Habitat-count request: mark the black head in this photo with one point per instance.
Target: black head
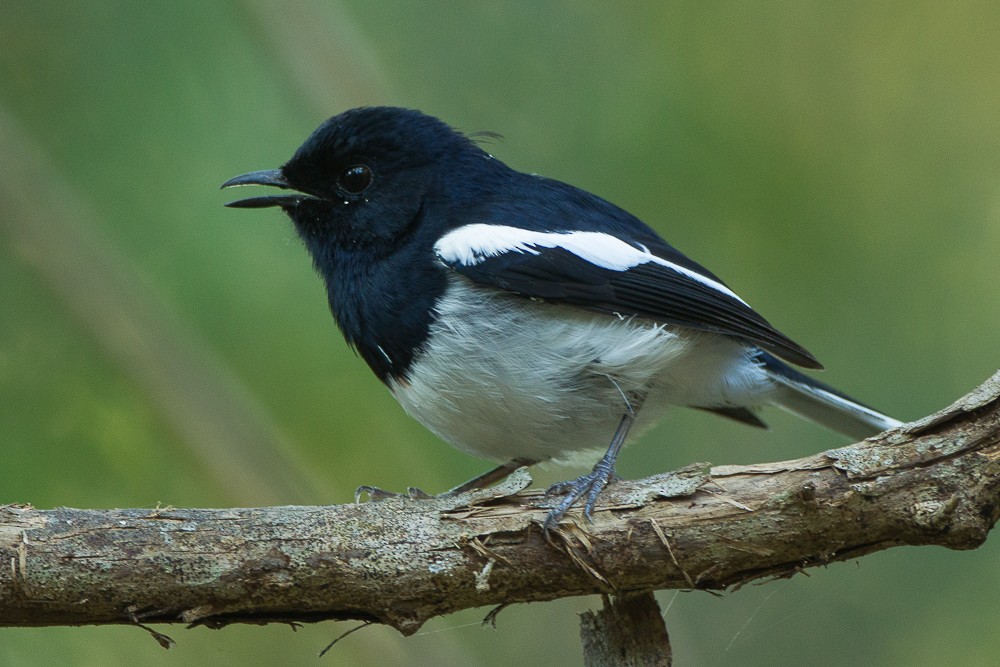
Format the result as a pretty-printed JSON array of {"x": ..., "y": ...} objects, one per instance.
[
  {"x": 362, "y": 176},
  {"x": 371, "y": 186}
]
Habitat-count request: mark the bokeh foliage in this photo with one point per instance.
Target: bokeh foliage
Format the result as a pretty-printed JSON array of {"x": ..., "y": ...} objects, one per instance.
[{"x": 836, "y": 163}]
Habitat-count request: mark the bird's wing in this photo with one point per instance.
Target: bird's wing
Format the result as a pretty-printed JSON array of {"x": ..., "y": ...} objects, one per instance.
[{"x": 601, "y": 272}]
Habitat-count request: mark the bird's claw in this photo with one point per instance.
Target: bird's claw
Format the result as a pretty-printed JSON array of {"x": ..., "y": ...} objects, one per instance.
[{"x": 588, "y": 486}]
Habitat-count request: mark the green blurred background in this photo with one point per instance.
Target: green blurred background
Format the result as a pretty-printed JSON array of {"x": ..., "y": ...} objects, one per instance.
[{"x": 836, "y": 163}]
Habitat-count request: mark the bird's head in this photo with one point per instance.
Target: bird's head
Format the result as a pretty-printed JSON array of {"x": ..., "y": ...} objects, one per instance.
[{"x": 362, "y": 178}]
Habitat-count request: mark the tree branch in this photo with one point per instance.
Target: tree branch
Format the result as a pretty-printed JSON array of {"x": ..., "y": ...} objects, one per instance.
[{"x": 401, "y": 562}]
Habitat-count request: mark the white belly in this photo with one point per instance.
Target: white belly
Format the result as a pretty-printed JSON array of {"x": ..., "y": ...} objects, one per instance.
[{"x": 503, "y": 377}]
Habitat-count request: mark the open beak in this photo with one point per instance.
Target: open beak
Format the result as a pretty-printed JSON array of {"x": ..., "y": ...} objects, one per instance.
[{"x": 272, "y": 177}]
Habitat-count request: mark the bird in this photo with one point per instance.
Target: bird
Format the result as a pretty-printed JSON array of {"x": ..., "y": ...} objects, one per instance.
[{"x": 519, "y": 318}]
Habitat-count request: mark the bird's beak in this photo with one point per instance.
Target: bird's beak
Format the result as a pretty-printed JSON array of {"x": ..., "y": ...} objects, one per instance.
[{"x": 272, "y": 177}]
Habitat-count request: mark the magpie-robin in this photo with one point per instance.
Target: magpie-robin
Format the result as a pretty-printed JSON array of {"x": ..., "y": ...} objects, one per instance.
[{"x": 520, "y": 318}]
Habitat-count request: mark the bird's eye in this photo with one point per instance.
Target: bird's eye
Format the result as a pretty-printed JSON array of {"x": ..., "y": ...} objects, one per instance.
[{"x": 355, "y": 179}]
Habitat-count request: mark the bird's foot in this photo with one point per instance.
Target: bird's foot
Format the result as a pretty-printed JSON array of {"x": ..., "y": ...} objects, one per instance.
[
  {"x": 475, "y": 484},
  {"x": 376, "y": 494},
  {"x": 588, "y": 486}
]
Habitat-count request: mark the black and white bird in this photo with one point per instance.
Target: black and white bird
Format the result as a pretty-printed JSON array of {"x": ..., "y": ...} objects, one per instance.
[{"x": 519, "y": 318}]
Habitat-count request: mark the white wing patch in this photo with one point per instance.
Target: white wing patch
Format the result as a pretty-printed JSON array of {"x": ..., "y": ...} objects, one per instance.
[{"x": 473, "y": 244}]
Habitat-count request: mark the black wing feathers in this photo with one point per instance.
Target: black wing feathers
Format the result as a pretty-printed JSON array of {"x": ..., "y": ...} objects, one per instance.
[{"x": 648, "y": 290}]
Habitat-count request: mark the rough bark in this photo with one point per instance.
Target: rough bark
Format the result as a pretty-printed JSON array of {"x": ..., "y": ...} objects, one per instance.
[
  {"x": 402, "y": 561},
  {"x": 628, "y": 632}
]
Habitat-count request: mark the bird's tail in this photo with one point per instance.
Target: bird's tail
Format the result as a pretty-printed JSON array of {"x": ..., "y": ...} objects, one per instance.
[{"x": 821, "y": 403}]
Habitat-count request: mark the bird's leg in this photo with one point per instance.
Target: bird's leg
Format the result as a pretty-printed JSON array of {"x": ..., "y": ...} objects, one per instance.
[
  {"x": 489, "y": 477},
  {"x": 479, "y": 482},
  {"x": 591, "y": 484}
]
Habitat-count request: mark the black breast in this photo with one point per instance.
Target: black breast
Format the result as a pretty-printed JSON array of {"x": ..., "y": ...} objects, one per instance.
[{"x": 385, "y": 307}]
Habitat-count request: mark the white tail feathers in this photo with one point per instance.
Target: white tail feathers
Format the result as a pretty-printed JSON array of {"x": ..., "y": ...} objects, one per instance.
[{"x": 826, "y": 407}]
